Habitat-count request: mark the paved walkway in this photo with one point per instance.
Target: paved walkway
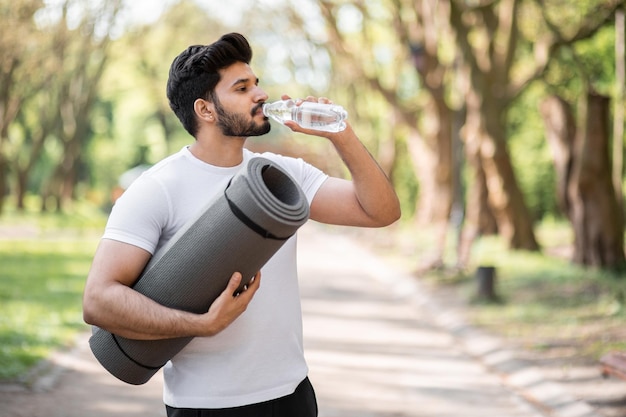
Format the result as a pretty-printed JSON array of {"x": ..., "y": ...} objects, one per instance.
[{"x": 377, "y": 346}]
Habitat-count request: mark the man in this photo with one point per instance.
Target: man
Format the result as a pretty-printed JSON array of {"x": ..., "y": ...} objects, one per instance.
[{"x": 246, "y": 358}]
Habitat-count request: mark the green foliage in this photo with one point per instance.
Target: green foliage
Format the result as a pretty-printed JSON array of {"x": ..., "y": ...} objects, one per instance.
[
  {"x": 588, "y": 62},
  {"x": 597, "y": 59},
  {"x": 133, "y": 115},
  {"x": 405, "y": 183},
  {"x": 531, "y": 155},
  {"x": 294, "y": 54}
]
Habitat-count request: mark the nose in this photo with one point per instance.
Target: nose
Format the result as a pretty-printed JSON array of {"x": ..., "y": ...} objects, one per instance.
[{"x": 260, "y": 95}]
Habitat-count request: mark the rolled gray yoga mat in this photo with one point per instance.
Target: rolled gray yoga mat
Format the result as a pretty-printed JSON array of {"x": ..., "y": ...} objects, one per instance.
[{"x": 240, "y": 230}]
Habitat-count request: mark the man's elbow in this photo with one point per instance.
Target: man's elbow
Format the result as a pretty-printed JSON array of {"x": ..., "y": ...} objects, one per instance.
[
  {"x": 90, "y": 309},
  {"x": 397, "y": 213},
  {"x": 88, "y": 315},
  {"x": 389, "y": 216},
  {"x": 89, "y": 319},
  {"x": 394, "y": 211}
]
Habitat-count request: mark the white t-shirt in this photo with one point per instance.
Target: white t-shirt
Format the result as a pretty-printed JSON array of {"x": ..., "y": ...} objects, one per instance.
[{"x": 260, "y": 356}]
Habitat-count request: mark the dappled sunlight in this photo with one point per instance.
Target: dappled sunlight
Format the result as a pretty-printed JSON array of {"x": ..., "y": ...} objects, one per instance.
[
  {"x": 370, "y": 329},
  {"x": 372, "y": 351}
]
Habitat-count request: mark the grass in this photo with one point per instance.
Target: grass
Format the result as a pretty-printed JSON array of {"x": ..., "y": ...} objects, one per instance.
[
  {"x": 546, "y": 302},
  {"x": 550, "y": 302},
  {"x": 44, "y": 262}
]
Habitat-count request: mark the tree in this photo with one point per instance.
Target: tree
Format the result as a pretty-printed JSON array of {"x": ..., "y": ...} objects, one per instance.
[
  {"x": 56, "y": 54},
  {"x": 494, "y": 41},
  {"x": 149, "y": 50},
  {"x": 577, "y": 120},
  {"x": 412, "y": 36},
  {"x": 585, "y": 189},
  {"x": 18, "y": 81},
  {"x": 488, "y": 37},
  {"x": 619, "y": 108},
  {"x": 84, "y": 52}
]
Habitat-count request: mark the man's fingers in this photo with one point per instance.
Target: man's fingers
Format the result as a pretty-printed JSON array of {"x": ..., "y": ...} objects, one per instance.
[{"x": 235, "y": 283}]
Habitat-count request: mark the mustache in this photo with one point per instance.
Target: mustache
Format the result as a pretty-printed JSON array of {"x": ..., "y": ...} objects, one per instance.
[{"x": 256, "y": 108}]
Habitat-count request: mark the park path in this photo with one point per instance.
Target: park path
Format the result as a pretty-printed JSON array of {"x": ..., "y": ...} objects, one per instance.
[{"x": 378, "y": 345}]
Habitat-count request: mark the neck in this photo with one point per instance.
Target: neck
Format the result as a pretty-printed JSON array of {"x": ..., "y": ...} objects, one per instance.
[{"x": 218, "y": 151}]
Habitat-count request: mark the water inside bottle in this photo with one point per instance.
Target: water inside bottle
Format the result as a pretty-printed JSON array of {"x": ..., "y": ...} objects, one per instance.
[
  {"x": 315, "y": 119},
  {"x": 280, "y": 114}
]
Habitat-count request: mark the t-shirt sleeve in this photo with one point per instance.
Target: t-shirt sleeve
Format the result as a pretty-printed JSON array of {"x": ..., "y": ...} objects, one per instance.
[
  {"x": 139, "y": 215},
  {"x": 309, "y": 177},
  {"x": 312, "y": 181}
]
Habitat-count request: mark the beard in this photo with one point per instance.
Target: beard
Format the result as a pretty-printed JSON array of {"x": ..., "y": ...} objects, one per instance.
[{"x": 238, "y": 124}]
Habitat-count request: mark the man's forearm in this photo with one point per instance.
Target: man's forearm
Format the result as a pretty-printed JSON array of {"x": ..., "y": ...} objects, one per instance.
[
  {"x": 373, "y": 189},
  {"x": 127, "y": 313},
  {"x": 121, "y": 310}
]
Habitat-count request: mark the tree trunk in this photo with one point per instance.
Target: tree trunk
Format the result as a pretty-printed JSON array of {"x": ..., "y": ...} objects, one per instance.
[
  {"x": 560, "y": 133},
  {"x": 479, "y": 219},
  {"x": 432, "y": 158},
  {"x": 584, "y": 178},
  {"x": 618, "y": 112},
  {"x": 597, "y": 220},
  {"x": 437, "y": 124},
  {"x": 20, "y": 190},
  {"x": 484, "y": 124},
  {"x": 505, "y": 197},
  {"x": 4, "y": 189},
  {"x": 490, "y": 55},
  {"x": 435, "y": 197}
]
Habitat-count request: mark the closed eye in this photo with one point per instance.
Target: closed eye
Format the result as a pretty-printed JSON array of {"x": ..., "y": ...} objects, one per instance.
[{"x": 241, "y": 85}]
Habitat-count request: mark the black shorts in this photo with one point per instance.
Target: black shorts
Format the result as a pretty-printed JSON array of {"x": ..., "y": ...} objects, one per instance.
[{"x": 301, "y": 403}]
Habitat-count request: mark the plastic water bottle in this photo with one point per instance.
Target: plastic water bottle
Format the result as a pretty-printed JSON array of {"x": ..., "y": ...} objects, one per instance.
[{"x": 309, "y": 115}]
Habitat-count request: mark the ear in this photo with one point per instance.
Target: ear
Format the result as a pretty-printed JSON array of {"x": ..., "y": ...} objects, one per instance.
[{"x": 204, "y": 110}]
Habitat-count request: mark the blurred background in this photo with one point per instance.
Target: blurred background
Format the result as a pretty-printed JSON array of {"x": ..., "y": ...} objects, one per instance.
[
  {"x": 493, "y": 116},
  {"x": 501, "y": 125}
]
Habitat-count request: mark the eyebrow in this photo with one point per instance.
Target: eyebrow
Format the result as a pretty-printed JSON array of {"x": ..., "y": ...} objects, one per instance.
[{"x": 245, "y": 81}]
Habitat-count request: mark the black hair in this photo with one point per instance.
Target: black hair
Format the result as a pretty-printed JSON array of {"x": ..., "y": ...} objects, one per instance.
[{"x": 195, "y": 73}]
